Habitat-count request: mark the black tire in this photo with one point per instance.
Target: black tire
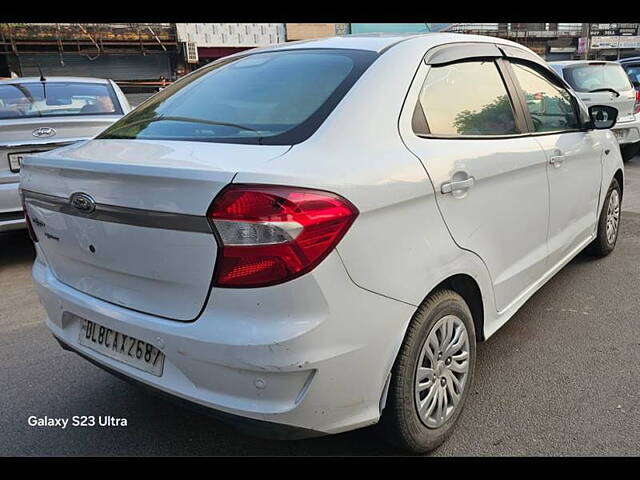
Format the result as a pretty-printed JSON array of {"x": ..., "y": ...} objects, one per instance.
[
  {"x": 629, "y": 151},
  {"x": 400, "y": 423},
  {"x": 601, "y": 245}
]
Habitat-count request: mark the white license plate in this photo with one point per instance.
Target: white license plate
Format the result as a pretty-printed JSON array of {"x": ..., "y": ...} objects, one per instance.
[
  {"x": 15, "y": 159},
  {"x": 121, "y": 347}
]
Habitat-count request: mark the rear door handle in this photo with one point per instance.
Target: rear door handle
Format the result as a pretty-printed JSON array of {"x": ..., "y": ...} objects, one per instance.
[
  {"x": 449, "y": 187},
  {"x": 556, "y": 159}
]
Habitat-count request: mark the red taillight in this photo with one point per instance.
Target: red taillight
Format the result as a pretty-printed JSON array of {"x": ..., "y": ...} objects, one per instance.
[
  {"x": 272, "y": 234},
  {"x": 32, "y": 233},
  {"x": 636, "y": 107}
]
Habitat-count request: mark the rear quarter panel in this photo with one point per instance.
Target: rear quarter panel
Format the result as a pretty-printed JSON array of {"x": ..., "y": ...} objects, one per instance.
[{"x": 398, "y": 246}]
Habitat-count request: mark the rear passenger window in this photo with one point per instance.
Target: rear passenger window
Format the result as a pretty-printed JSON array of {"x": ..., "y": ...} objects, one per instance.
[
  {"x": 549, "y": 105},
  {"x": 467, "y": 98}
]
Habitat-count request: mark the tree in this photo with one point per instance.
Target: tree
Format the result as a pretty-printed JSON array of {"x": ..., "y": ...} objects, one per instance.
[{"x": 494, "y": 118}]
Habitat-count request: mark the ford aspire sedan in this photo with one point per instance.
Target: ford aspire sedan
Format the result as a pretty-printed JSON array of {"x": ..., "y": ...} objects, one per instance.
[
  {"x": 312, "y": 237},
  {"x": 39, "y": 114}
]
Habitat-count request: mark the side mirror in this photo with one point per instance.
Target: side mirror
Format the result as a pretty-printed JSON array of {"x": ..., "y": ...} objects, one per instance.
[{"x": 602, "y": 117}]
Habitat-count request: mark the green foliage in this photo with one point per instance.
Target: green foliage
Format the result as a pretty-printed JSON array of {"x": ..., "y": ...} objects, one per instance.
[{"x": 494, "y": 118}]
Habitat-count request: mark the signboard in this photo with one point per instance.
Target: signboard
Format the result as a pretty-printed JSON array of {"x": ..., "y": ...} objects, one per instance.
[
  {"x": 630, "y": 29},
  {"x": 615, "y": 42},
  {"x": 305, "y": 31},
  {"x": 192, "y": 52},
  {"x": 614, "y": 29},
  {"x": 230, "y": 34},
  {"x": 599, "y": 43},
  {"x": 582, "y": 45},
  {"x": 629, "y": 42},
  {"x": 562, "y": 49}
]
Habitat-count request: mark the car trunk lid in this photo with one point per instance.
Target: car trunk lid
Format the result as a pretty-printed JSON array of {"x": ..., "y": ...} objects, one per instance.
[
  {"x": 61, "y": 129},
  {"x": 147, "y": 245}
]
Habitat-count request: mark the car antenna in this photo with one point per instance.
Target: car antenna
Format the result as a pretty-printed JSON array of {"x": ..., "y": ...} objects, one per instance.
[{"x": 42, "y": 79}]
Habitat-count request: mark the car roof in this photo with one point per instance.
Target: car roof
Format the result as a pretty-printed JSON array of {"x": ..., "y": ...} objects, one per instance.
[
  {"x": 567, "y": 63},
  {"x": 53, "y": 79},
  {"x": 630, "y": 60},
  {"x": 380, "y": 42}
]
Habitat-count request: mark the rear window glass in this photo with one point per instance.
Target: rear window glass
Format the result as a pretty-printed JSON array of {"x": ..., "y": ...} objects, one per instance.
[
  {"x": 263, "y": 98},
  {"x": 467, "y": 98},
  {"x": 633, "y": 72},
  {"x": 45, "y": 99},
  {"x": 591, "y": 77}
]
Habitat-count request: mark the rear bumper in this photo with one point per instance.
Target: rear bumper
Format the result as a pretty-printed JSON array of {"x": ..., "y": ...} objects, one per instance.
[
  {"x": 628, "y": 132},
  {"x": 246, "y": 425},
  {"x": 12, "y": 221},
  {"x": 312, "y": 355},
  {"x": 11, "y": 215}
]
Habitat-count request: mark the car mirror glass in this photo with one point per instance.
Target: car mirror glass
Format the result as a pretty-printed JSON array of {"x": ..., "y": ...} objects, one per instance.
[{"x": 603, "y": 116}]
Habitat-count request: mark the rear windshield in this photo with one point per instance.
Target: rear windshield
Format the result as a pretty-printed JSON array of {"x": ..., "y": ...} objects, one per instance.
[
  {"x": 587, "y": 78},
  {"x": 274, "y": 98},
  {"x": 46, "y": 99}
]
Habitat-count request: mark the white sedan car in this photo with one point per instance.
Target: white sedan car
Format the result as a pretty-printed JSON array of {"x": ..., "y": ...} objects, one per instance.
[{"x": 312, "y": 237}]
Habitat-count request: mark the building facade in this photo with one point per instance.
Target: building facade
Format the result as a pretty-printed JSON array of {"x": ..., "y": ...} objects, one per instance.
[
  {"x": 141, "y": 53},
  {"x": 565, "y": 41},
  {"x": 146, "y": 55},
  {"x": 205, "y": 42}
]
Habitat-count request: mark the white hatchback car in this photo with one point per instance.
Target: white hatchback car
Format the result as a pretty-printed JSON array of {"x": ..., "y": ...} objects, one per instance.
[
  {"x": 606, "y": 83},
  {"x": 311, "y": 238}
]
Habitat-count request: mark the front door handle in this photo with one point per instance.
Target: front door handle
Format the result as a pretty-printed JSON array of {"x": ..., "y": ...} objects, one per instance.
[{"x": 449, "y": 187}]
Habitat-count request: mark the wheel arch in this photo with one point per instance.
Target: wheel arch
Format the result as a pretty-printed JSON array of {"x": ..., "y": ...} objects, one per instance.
[
  {"x": 619, "y": 176},
  {"x": 467, "y": 287}
]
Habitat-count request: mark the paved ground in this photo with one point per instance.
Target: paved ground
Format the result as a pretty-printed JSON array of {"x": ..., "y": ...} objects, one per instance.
[{"x": 561, "y": 378}]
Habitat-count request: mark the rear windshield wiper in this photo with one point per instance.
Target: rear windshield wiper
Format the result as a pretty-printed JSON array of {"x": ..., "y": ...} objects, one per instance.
[
  {"x": 605, "y": 90},
  {"x": 206, "y": 122}
]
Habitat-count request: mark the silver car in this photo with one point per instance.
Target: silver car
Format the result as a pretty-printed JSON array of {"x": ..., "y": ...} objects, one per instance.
[
  {"x": 598, "y": 82},
  {"x": 40, "y": 114}
]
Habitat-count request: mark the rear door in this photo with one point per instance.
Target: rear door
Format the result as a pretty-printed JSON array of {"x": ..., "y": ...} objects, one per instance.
[
  {"x": 490, "y": 177},
  {"x": 573, "y": 156}
]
